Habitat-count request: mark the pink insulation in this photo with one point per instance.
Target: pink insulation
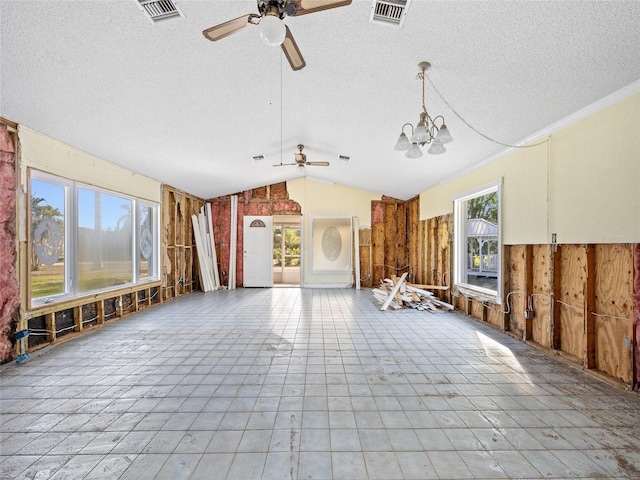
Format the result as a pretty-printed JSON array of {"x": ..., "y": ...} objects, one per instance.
[
  {"x": 9, "y": 286},
  {"x": 256, "y": 202}
]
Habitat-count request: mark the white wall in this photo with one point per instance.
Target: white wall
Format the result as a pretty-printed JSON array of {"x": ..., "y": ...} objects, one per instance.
[
  {"x": 52, "y": 156},
  {"x": 321, "y": 199},
  {"x": 584, "y": 185}
]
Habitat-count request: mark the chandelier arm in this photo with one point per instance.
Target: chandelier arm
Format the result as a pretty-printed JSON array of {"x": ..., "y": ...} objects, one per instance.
[
  {"x": 478, "y": 131},
  {"x": 406, "y": 125}
]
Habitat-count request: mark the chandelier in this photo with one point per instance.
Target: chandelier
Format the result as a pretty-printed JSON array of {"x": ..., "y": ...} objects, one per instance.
[{"x": 426, "y": 131}]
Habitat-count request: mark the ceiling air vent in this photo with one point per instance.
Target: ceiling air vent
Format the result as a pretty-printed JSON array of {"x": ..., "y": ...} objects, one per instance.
[
  {"x": 389, "y": 12},
  {"x": 158, "y": 10}
]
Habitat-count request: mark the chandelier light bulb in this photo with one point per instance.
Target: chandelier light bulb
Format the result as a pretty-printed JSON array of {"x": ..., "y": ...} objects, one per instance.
[
  {"x": 426, "y": 130},
  {"x": 436, "y": 149},
  {"x": 403, "y": 143},
  {"x": 443, "y": 135},
  {"x": 421, "y": 134},
  {"x": 414, "y": 151}
]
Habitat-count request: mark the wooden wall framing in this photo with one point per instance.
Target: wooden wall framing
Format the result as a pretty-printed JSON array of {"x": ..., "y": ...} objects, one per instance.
[
  {"x": 179, "y": 258},
  {"x": 582, "y": 299}
]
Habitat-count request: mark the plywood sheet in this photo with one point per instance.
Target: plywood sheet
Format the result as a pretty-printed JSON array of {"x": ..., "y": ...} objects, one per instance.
[
  {"x": 614, "y": 310},
  {"x": 517, "y": 286},
  {"x": 570, "y": 304},
  {"x": 542, "y": 291}
]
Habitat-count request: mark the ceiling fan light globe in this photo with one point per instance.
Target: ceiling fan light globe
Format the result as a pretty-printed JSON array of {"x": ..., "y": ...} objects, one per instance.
[
  {"x": 414, "y": 151},
  {"x": 272, "y": 30},
  {"x": 300, "y": 170},
  {"x": 403, "y": 143},
  {"x": 444, "y": 136}
]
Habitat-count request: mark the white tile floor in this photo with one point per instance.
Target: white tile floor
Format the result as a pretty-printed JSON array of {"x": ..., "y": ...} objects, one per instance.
[{"x": 308, "y": 384}]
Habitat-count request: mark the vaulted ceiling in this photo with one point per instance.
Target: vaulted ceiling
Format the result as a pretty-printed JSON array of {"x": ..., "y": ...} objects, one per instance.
[{"x": 164, "y": 101}]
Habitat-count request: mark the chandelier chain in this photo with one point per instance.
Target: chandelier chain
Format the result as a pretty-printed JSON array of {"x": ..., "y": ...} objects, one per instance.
[{"x": 468, "y": 124}]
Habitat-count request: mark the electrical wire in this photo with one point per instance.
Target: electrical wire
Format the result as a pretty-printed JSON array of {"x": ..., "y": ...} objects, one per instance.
[
  {"x": 475, "y": 129},
  {"x": 609, "y": 316},
  {"x": 507, "y": 301},
  {"x": 569, "y": 305}
]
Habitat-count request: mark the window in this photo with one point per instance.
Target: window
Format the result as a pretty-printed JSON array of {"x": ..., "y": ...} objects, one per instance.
[
  {"x": 86, "y": 239},
  {"x": 49, "y": 253},
  {"x": 478, "y": 244}
]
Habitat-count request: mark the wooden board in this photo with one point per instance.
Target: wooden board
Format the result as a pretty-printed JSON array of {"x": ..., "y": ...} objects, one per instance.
[
  {"x": 413, "y": 239},
  {"x": 570, "y": 303},
  {"x": 390, "y": 239},
  {"x": 542, "y": 291},
  {"x": 478, "y": 310},
  {"x": 377, "y": 241},
  {"x": 401, "y": 253},
  {"x": 365, "y": 265},
  {"x": 614, "y": 310},
  {"x": 495, "y": 315},
  {"x": 518, "y": 288}
]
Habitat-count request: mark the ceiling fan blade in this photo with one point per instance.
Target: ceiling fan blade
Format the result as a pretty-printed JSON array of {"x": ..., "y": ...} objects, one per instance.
[
  {"x": 227, "y": 28},
  {"x": 318, "y": 164},
  {"x": 292, "y": 52},
  {"x": 284, "y": 164},
  {"x": 311, "y": 6}
]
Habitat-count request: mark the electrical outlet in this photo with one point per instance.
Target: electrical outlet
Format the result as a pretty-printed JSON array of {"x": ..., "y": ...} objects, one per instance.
[{"x": 528, "y": 313}]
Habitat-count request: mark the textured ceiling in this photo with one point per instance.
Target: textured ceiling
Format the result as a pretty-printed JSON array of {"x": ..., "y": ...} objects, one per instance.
[{"x": 164, "y": 101}]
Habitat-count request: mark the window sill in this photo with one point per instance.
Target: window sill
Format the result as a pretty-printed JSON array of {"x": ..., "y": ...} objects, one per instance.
[{"x": 478, "y": 293}]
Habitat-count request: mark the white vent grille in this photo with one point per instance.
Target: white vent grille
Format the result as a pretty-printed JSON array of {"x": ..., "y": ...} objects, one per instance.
[
  {"x": 389, "y": 12},
  {"x": 158, "y": 10}
]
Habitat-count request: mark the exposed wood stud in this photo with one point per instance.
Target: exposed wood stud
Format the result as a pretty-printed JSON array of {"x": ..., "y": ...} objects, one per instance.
[
  {"x": 50, "y": 325},
  {"x": 589, "y": 308},
  {"x": 528, "y": 284},
  {"x": 556, "y": 334},
  {"x": 77, "y": 318}
]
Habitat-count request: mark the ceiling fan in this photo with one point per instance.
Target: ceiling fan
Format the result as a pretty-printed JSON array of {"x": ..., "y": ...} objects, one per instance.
[
  {"x": 301, "y": 161},
  {"x": 273, "y": 30}
]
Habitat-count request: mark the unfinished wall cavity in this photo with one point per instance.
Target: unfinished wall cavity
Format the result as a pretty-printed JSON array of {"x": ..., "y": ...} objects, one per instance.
[
  {"x": 584, "y": 301},
  {"x": 10, "y": 291},
  {"x": 400, "y": 242},
  {"x": 265, "y": 201},
  {"x": 179, "y": 261}
]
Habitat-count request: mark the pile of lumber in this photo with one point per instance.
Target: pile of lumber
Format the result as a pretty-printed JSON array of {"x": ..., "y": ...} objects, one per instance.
[
  {"x": 206, "y": 249},
  {"x": 397, "y": 293}
]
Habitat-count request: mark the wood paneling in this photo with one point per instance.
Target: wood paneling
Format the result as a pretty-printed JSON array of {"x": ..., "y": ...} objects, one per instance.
[
  {"x": 573, "y": 276},
  {"x": 542, "y": 290},
  {"x": 613, "y": 310},
  {"x": 517, "y": 288}
]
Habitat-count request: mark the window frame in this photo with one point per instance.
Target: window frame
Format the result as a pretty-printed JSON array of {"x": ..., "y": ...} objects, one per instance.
[
  {"x": 460, "y": 275},
  {"x": 71, "y": 232}
]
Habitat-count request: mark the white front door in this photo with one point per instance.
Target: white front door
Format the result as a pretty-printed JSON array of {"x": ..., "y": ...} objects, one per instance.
[{"x": 258, "y": 252}]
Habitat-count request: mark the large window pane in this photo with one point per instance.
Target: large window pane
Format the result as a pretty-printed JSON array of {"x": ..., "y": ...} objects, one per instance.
[
  {"x": 482, "y": 241},
  {"x": 104, "y": 240},
  {"x": 477, "y": 241},
  {"x": 48, "y": 239}
]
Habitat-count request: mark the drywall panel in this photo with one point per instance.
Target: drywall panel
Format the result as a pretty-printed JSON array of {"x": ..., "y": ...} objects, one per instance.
[
  {"x": 324, "y": 198},
  {"x": 319, "y": 198},
  {"x": 524, "y": 194},
  {"x": 582, "y": 185},
  {"x": 52, "y": 156},
  {"x": 595, "y": 177}
]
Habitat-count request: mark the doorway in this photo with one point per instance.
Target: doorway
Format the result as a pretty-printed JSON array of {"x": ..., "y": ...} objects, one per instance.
[{"x": 287, "y": 246}]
